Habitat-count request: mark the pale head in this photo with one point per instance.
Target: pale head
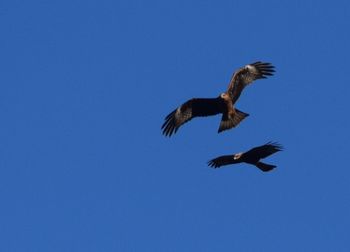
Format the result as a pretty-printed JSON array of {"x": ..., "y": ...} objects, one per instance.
[
  {"x": 224, "y": 96},
  {"x": 237, "y": 156}
]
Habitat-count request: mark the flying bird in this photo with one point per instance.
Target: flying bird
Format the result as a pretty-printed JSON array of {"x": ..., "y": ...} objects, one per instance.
[
  {"x": 223, "y": 104},
  {"x": 252, "y": 156}
]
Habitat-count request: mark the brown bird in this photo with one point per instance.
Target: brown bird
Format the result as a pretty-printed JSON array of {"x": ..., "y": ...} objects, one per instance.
[
  {"x": 252, "y": 156},
  {"x": 223, "y": 104}
]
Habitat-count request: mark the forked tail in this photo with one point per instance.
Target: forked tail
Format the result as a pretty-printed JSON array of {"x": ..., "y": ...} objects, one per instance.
[
  {"x": 231, "y": 121},
  {"x": 265, "y": 167}
]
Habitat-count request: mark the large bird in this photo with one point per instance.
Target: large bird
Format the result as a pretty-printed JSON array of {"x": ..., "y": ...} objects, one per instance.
[
  {"x": 252, "y": 156},
  {"x": 223, "y": 104}
]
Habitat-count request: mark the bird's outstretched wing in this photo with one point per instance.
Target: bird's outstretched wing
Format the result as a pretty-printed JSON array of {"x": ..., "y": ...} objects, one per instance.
[
  {"x": 264, "y": 151},
  {"x": 246, "y": 75},
  {"x": 220, "y": 161},
  {"x": 192, "y": 108}
]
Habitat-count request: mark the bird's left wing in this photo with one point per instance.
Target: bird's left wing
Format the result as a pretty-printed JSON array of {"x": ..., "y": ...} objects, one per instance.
[
  {"x": 265, "y": 150},
  {"x": 246, "y": 75}
]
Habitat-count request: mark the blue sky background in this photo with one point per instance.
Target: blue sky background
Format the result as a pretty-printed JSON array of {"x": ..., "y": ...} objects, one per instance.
[{"x": 85, "y": 86}]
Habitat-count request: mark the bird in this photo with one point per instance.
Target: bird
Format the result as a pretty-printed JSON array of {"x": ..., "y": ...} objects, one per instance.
[
  {"x": 252, "y": 156},
  {"x": 223, "y": 104}
]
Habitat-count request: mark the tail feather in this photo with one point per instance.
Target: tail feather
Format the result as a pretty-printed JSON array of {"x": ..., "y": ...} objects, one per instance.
[
  {"x": 228, "y": 122},
  {"x": 265, "y": 167},
  {"x": 239, "y": 116}
]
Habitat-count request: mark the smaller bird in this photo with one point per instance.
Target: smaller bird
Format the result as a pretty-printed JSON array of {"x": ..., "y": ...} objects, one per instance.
[{"x": 252, "y": 156}]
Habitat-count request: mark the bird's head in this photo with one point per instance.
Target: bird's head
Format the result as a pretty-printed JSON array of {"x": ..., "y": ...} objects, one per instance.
[
  {"x": 224, "y": 96},
  {"x": 237, "y": 156}
]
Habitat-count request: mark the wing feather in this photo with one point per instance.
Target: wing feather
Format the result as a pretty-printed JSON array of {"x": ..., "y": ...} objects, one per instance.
[
  {"x": 264, "y": 151},
  {"x": 246, "y": 75},
  {"x": 196, "y": 107},
  {"x": 221, "y": 161}
]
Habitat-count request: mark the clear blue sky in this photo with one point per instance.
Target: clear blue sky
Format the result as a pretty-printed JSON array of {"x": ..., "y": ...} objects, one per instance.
[{"x": 85, "y": 86}]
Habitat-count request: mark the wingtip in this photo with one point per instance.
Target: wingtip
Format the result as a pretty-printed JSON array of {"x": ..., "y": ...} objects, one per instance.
[
  {"x": 212, "y": 164},
  {"x": 266, "y": 68},
  {"x": 277, "y": 145},
  {"x": 168, "y": 127}
]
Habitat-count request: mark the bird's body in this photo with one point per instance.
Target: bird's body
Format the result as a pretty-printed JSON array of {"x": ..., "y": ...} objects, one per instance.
[
  {"x": 223, "y": 104},
  {"x": 201, "y": 107},
  {"x": 253, "y": 157}
]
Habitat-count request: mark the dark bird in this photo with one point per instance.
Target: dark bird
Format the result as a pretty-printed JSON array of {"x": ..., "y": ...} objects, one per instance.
[
  {"x": 223, "y": 104},
  {"x": 252, "y": 156}
]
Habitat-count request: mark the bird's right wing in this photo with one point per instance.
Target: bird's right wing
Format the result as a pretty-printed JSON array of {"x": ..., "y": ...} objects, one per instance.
[
  {"x": 220, "y": 161},
  {"x": 192, "y": 108}
]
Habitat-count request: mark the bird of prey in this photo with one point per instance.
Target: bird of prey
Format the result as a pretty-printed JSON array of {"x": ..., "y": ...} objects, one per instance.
[
  {"x": 252, "y": 156},
  {"x": 223, "y": 104}
]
